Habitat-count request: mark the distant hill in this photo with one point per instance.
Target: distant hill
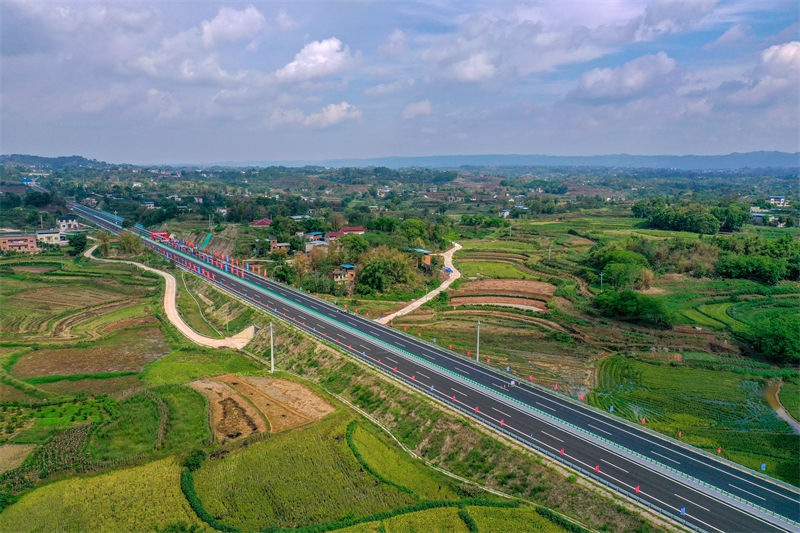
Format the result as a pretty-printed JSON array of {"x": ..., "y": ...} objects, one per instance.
[
  {"x": 732, "y": 161},
  {"x": 679, "y": 162},
  {"x": 50, "y": 163}
]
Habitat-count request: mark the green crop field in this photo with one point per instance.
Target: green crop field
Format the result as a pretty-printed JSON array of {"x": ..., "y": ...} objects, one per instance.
[
  {"x": 790, "y": 398},
  {"x": 397, "y": 466},
  {"x": 143, "y": 498},
  {"x": 299, "y": 478},
  {"x": 188, "y": 364},
  {"x": 487, "y": 269},
  {"x": 712, "y": 408},
  {"x": 521, "y": 519}
]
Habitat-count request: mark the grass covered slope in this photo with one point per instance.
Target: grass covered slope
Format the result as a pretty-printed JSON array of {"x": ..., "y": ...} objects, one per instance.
[{"x": 144, "y": 498}]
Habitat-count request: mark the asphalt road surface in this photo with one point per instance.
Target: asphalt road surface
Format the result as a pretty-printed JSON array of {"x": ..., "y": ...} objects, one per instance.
[{"x": 689, "y": 486}]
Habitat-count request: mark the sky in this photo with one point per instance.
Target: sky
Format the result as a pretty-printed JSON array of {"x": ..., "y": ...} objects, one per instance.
[{"x": 169, "y": 82}]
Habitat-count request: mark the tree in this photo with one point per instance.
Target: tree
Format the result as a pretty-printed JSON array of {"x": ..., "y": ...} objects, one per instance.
[
  {"x": 414, "y": 230},
  {"x": 284, "y": 273},
  {"x": 382, "y": 267},
  {"x": 130, "y": 243},
  {"x": 103, "y": 239},
  {"x": 628, "y": 305},
  {"x": 778, "y": 338},
  {"x": 78, "y": 242},
  {"x": 353, "y": 245}
]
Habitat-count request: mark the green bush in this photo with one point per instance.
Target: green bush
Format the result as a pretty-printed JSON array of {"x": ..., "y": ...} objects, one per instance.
[{"x": 629, "y": 305}]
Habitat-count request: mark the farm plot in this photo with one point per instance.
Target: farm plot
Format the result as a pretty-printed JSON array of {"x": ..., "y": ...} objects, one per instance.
[
  {"x": 144, "y": 498},
  {"x": 487, "y": 269},
  {"x": 41, "y": 306},
  {"x": 298, "y": 478},
  {"x": 232, "y": 416},
  {"x": 240, "y": 405},
  {"x": 525, "y": 294},
  {"x": 129, "y": 350},
  {"x": 12, "y": 455}
]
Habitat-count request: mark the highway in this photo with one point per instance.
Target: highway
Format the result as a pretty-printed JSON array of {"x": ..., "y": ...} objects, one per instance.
[{"x": 689, "y": 486}]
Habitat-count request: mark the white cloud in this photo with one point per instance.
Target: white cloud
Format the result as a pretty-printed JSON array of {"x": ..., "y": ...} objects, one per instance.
[
  {"x": 162, "y": 104},
  {"x": 782, "y": 60},
  {"x": 231, "y": 26},
  {"x": 317, "y": 59},
  {"x": 390, "y": 88},
  {"x": 284, "y": 20},
  {"x": 477, "y": 67},
  {"x": 417, "y": 109},
  {"x": 328, "y": 116},
  {"x": 774, "y": 80},
  {"x": 733, "y": 36},
  {"x": 396, "y": 44},
  {"x": 633, "y": 79},
  {"x": 333, "y": 114},
  {"x": 673, "y": 16}
]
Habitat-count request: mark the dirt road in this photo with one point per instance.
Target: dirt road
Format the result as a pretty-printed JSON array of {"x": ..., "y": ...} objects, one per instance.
[
  {"x": 454, "y": 275},
  {"x": 237, "y": 341}
]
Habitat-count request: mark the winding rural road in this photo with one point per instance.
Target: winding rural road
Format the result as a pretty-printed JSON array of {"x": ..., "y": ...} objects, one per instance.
[
  {"x": 416, "y": 304},
  {"x": 237, "y": 341}
]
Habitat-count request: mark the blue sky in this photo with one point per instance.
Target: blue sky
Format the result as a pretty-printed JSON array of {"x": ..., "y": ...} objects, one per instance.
[{"x": 200, "y": 82}]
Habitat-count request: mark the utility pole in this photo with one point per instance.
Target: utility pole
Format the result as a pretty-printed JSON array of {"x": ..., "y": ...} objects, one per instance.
[
  {"x": 271, "y": 351},
  {"x": 549, "y": 248},
  {"x": 478, "y": 344},
  {"x": 601, "y": 282}
]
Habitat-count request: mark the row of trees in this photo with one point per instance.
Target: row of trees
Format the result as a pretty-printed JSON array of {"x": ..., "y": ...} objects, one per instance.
[
  {"x": 631, "y": 264},
  {"x": 691, "y": 216}
]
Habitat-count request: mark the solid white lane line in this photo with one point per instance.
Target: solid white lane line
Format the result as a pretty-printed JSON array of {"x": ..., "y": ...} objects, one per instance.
[
  {"x": 598, "y": 429},
  {"x": 687, "y": 500},
  {"x": 746, "y": 492},
  {"x": 501, "y": 412},
  {"x": 615, "y": 466},
  {"x": 664, "y": 457},
  {"x": 552, "y": 436}
]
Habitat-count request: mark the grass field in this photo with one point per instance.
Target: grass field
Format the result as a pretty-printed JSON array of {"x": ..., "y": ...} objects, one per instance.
[{"x": 144, "y": 498}]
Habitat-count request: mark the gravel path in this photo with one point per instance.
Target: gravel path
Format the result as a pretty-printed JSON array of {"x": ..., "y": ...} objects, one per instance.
[
  {"x": 237, "y": 341},
  {"x": 448, "y": 263}
]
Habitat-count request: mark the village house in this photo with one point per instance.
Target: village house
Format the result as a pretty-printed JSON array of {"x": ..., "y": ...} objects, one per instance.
[
  {"x": 778, "y": 201},
  {"x": 18, "y": 243},
  {"x": 51, "y": 236},
  {"x": 358, "y": 230},
  {"x": 67, "y": 223}
]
